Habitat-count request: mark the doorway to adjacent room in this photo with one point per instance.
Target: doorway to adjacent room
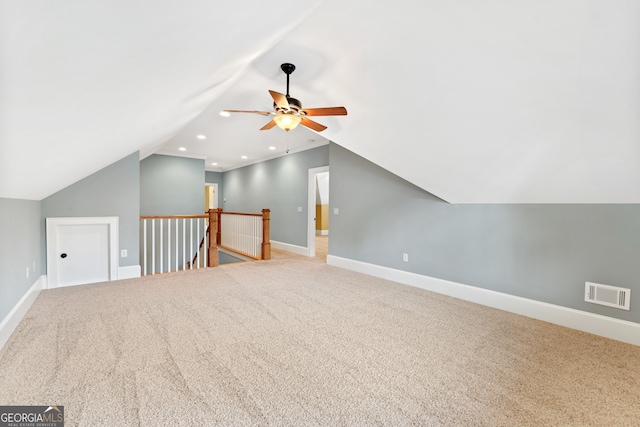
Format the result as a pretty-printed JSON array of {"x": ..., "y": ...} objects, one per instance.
[{"x": 318, "y": 211}]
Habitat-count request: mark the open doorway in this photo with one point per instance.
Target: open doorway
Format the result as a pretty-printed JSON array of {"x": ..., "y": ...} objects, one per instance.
[
  {"x": 318, "y": 209},
  {"x": 322, "y": 215},
  {"x": 210, "y": 196}
]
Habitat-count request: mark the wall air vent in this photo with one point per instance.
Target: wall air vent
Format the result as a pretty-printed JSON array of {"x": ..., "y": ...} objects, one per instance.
[{"x": 611, "y": 296}]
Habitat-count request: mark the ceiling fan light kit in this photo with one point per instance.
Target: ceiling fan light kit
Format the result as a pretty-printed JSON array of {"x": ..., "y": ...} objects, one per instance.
[
  {"x": 287, "y": 121},
  {"x": 288, "y": 111}
]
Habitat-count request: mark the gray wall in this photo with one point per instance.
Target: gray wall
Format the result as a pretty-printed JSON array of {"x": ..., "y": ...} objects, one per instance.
[
  {"x": 171, "y": 186},
  {"x": 19, "y": 249},
  {"x": 112, "y": 191},
  {"x": 280, "y": 185},
  {"x": 213, "y": 178},
  {"x": 541, "y": 252}
]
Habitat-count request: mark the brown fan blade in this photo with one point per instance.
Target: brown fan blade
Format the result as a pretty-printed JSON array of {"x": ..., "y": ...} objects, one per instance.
[
  {"x": 312, "y": 125},
  {"x": 279, "y": 99},
  {"x": 269, "y": 125},
  {"x": 264, "y": 113},
  {"x": 328, "y": 111}
]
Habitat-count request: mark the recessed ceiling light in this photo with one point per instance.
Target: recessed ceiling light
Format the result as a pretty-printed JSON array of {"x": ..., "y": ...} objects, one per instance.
[
  {"x": 225, "y": 113},
  {"x": 201, "y": 137},
  {"x": 182, "y": 149},
  {"x": 244, "y": 157},
  {"x": 272, "y": 148},
  {"x": 214, "y": 164}
]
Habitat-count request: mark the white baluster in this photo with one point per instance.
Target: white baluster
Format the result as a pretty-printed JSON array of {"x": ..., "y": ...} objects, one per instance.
[
  {"x": 184, "y": 245},
  {"x": 144, "y": 231},
  {"x": 205, "y": 244},
  {"x": 161, "y": 248},
  {"x": 153, "y": 246},
  {"x": 260, "y": 232},
  {"x": 177, "y": 238}
]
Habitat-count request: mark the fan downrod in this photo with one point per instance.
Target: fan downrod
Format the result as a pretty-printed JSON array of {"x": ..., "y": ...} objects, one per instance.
[{"x": 288, "y": 69}]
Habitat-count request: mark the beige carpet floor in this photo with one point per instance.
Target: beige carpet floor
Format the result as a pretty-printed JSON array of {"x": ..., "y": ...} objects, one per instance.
[
  {"x": 295, "y": 342},
  {"x": 322, "y": 247}
]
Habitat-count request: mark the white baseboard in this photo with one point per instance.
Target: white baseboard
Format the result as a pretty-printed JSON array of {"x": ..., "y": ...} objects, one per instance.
[
  {"x": 129, "y": 272},
  {"x": 12, "y": 320},
  {"x": 596, "y": 324},
  {"x": 300, "y": 250},
  {"x": 322, "y": 232}
]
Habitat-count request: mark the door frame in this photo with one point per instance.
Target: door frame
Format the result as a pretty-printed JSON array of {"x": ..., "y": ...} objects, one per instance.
[
  {"x": 215, "y": 189},
  {"x": 311, "y": 209},
  {"x": 52, "y": 225}
]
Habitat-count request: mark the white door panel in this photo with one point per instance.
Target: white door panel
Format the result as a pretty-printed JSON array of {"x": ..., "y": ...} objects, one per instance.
[
  {"x": 86, "y": 254},
  {"x": 81, "y": 250}
]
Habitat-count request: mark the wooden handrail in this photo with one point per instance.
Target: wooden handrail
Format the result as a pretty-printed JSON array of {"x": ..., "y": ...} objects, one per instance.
[
  {"x": 173, "y": 216},
  {"x": 240, "y": 213}
]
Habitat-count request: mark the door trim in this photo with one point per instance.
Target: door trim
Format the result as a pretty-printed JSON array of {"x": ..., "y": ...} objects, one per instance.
[
  {"x": 311, "y": 209},
  {"x": 52, "y": 225}
]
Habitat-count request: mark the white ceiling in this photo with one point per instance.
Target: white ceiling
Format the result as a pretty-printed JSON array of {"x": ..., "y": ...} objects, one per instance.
[{"x": 492, "y": 101}]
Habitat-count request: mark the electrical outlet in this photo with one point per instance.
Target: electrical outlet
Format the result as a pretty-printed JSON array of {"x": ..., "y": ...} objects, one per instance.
[
  {"x": 123, "y": 253},
  {"x": 299, "y": 208},
  {"x": 405, "y": 257},
  {"x": 335, "y": 211},
  {"x": 27, "y": 272}
]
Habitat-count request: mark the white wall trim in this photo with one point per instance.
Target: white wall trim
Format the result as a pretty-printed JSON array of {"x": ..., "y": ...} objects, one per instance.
[
  {"x": 13, "y": 319},
  {"x": 604, "y": 326},
  {"x": 322, "y": 232},
  {"x": 300, "y": 250},
  {"x": 129, "y": 272}
]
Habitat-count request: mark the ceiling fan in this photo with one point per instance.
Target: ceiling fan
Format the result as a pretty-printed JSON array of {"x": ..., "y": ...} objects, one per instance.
[{"x": 288, "y": 111}]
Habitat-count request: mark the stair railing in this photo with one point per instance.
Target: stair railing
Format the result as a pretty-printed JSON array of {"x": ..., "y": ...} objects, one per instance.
[
  {"x": 186, "y": 242},
  {"x": 168, "y": 242},
  {"x": 246, "y": 233}
]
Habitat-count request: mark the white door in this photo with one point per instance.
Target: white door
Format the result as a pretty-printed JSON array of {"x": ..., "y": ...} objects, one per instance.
[{"x": 81, "y": 250}]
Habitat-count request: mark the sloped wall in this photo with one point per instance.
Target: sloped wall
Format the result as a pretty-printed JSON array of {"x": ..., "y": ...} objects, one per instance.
[
  {"x": 112, "y": 191},
  {"x": 544, "y": 252},
  {"x": 171, "y": 185}
]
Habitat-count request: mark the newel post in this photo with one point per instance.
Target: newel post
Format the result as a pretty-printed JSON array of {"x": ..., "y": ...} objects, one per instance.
[
  {"x": 219, "y": 232},
  {"x": 213, "y": 237},
  {"x": 266, "y": 234}
]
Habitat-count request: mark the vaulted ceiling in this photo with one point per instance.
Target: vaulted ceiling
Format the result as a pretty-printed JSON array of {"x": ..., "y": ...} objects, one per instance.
[{"x": 491, "y": 101}]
